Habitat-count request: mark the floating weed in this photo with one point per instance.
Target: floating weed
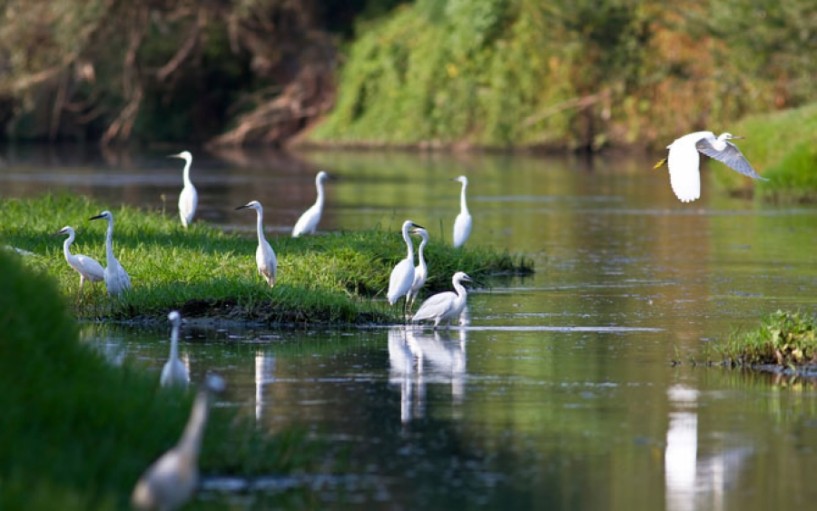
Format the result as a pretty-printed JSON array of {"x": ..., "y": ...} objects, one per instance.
[{"x": 783, "y": 339}]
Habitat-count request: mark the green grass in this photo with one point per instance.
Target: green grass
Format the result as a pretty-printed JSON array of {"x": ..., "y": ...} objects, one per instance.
[
  {"x": 785, "y": 339},
  {"x": 338, "y": 278}
]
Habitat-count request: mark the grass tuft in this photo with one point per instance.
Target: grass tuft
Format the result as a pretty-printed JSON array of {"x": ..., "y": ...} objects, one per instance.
[{"x": 785, "y": 339}]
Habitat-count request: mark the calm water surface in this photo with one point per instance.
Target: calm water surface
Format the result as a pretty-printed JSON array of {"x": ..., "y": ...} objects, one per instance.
[{"x": 560, "y": 392}]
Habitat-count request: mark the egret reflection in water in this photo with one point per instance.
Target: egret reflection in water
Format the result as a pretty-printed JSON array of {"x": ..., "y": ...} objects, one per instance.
[{"x": 264, "y": 374}]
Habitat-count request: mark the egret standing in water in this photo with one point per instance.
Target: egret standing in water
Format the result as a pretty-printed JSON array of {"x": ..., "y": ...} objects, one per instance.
[
  {"x": 420, "y": 271},
  {"x": 171, "y": 480},
  {"x": 87, "y": 267},
  {"x": 174, "y": 371},
  {"x": 264, "y": 255},
  {"x": 116, "y": 278},
  {"x": 189, "y": 198},
  {"x": 462, "y": 224},
  {"x": 402, "y": 276},
  {"x": 684, "y": 161},
  {"x": 443, "y": 307},
  {"x": 308, "y": 222}
]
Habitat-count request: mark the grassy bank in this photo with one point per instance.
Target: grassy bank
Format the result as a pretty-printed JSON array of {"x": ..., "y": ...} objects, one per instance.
[
  {"x": 784, "y": 340},
  {"x": 339, "y": 278}
]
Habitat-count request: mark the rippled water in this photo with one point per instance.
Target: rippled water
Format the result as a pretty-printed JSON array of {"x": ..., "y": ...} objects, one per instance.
[{"x": 561, "y": 391}]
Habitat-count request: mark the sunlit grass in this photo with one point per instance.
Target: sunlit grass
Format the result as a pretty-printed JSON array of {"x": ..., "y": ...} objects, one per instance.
[{"x": 786, "y": 339}]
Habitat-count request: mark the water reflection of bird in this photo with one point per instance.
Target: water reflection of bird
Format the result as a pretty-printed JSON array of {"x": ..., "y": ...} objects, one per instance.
[
  {"x": 189, "y": 197},
  {"x": 87, "y": 267},
  {"x": 402, "y": 275},
  {"x": 264, "y": 255},
  {"x": 174, "y": 371},
  {"x": 420, "y": 271},
  {"x": 462, "y": 224},
  {"x": 308, "y": 222},
  {"x": 683, "y": 161},
  {"x": 406, "y": 371},
  {"x": 171, "y": 480},
  {"x": 446, "y": 306},
  {"x": 264, "y": 369},
  {"x": 116, "y": 278}
]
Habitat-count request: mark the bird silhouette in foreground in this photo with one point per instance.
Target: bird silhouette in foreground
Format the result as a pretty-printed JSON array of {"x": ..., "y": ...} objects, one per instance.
[
  {"x": 446, "y": 306},
  {"x": 116, "y": 278},
  {"x": 189, "y": 197},
  {"x": 171, "y": 480},
  {"x": 420, "y": 271},
  {"x": 462, "y": 224},
  {"x": 174, "y": 371},
  {"x": 87, "y": 267},
  {"x": 402, "y": 275},
  {"x": 308, "y": 222},
  {"x": 264, "y": 255},
  {"x": 684, "y": 161}
]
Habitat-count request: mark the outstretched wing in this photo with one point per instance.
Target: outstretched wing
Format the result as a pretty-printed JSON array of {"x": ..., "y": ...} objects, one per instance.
[{"x": 730, "y": 156}]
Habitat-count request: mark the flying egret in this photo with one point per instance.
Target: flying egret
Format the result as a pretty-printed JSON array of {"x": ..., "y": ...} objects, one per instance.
[
  {"x": 170, "y": 481},
  {"x": 174, "y": 371},
  {"x": 87, "y": 267},
  {"x": 312, "y": 216},
  {"x": 116, "y": 278},
  {"x": 462, "y": 224},
  {"x": 264, "y": 255},
  {"x": 189, "y": 197},
  {"x": 420, "y": 271},
  {"x": 402, "y": 276},
  {"x": 443, "y": 307},
  {"x": 684, "y": 162}
]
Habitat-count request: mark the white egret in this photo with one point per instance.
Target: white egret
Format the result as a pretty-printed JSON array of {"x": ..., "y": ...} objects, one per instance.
[
  {"x": 684, "y": 161},
  {"x": 402, "y": 275},
  {"x": 311, "y": 217},
  {"x": 171, "y": 480},
  {"x": 174, "y": 371},
  {"x": 462, "y": 224},
  {"x": 116, "y": 278},
  {"x": 264, "y": 255},
  {"x": 87, "y": 267},
  {"x": 189, "y": 197},
  {"x": 420, "y": 271},
  {"x": 443, "y": 307}
]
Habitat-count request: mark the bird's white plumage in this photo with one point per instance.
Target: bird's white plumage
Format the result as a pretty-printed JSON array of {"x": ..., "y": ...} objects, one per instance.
[
  {"x": 87, "y": 267},
  {"x": 446, "y": 306},
  {"x": 308, "y": 222},
  {"x": 117, "y": 279},
  {"x": 462, "y": 224},
  {"x": 174, "y": 372},
  {"x": 189, "y": 197},
  {"x": 420, "y": 271},
  {"x": 402, "y": 275},
  {"x": 265, "y": 259}
]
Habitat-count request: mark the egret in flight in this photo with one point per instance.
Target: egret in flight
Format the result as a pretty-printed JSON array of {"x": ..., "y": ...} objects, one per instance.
[
  {"x": 174, "y": 371},
  {"x": 420, "y": 271},
  {"x": 87, "y": 267},
  {"x": 189, "y": 198},
  {"x": 312, "y": 216},
  {"x": 264, "y": 255},
  {"x": 116, "y": 278},
  {"x": 171, "y": 480},
  {"x": 402, "y": 276},
  {"x": 683, "y": 161},
  {"x": 443, "y": 307},
  {"x": 462, "y": 224}
]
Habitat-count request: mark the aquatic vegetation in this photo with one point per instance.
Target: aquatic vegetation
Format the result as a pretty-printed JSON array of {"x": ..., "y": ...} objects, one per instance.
[{"x": 784, "y": 339}]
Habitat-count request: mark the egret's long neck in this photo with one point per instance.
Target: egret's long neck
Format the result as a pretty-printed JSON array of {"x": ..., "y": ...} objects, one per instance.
[
  {"x": 174, "y": 343},
  {"x": 260, "y": 224},
  {"x": 319, "y": 186},
  {"x": 460, "y": 289},
  {"x": 463, "y": 205},
  {"x": 409, "y": 245},
  {"x": 66, "y": 246},
  {"x": 190, "y": 442},
  {"x": 109, "y": 241},
  {"x": 420, "y": 252},
  {"x": 187, "y": 164}
]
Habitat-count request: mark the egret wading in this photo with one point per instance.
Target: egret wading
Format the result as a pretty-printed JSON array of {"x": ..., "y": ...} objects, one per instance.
[
  {"x": 87, "y": 267},
  {"x": 116, "y": 278},
  {"x": 171, "y": 480},
  {"x": 402, "y": 276},
  {"x": 446, "y": 306},
  {"x": 264, "y": 255},
  {"x": 189, "y": 197},
  {"x": 309, "y": 220},
  {"x": 174, "y": 371},
  {"x": 420, "y": 271},
  {"x": 684, "y": 161},
  {"x": 462, "y": 224}
]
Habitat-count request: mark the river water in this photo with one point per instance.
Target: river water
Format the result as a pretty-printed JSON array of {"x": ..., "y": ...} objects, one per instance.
[{"x": 563, "y": 391}]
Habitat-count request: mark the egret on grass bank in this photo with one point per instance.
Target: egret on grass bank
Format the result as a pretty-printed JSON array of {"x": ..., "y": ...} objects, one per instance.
[
  {"x": 264, "y": 255},
  {"x": 462, "y": 224},
  {"x": 174, "y": 371},
  {"x": 420, "y": 271},
  {"x": 171, "y": 480},
  {"x": 87, "y": 267},
  {"x": 684, "y": 161},
  {"x": 309, "y": 220},
  {"x": 189, "y": 197},
  {"x": 402, "y": 275},
  {"x": 116, "y": 278},
  {"x": 443, "y": 307}
]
